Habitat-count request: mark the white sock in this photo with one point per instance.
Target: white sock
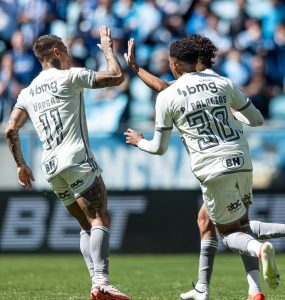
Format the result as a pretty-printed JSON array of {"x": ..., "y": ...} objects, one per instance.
[
  {"x": 206, "y": 261},
  {"x": 253, "y": 282},
  {"x": 201, "y": 287},
  {"x": 85, "y": 250},
  {"x": 99, "y": 250}
]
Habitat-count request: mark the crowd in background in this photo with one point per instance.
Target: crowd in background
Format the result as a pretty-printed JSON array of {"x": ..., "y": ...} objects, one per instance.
[{"x": 250, "y": 36}]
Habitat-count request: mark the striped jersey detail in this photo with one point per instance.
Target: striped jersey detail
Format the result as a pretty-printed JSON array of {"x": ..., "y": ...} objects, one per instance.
[{"x": 163, "y": 128}]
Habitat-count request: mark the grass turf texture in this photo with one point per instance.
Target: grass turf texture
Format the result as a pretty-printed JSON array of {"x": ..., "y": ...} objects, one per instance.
[{"x": 144, "y": 277}]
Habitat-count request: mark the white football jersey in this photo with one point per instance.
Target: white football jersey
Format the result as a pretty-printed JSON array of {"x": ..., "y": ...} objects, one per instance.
[
  {"x": 198, "y": 104},
  {"x": 55, "y": 106}
]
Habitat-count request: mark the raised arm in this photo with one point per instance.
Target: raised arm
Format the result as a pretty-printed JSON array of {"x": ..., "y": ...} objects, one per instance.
[
  {"x": 17, "y": 120},
  {"x": 113, "y": 75},
  {"x": 150, "y": 80}
]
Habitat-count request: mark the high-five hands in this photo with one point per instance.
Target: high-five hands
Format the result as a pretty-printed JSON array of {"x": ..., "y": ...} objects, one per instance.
[
  {"x": 106, "y": 39},
  {"x": 130, "y": 57}
]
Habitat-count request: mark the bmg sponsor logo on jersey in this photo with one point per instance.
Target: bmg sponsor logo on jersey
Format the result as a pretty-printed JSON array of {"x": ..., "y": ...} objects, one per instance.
[
  {"x": 233, "y": 162},
  {"x": 198, "y": 88},
  {"x": 46, "y": 87}
]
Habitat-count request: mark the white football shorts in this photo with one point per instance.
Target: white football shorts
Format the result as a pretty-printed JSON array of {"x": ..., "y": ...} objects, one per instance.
[
  {"x": 74, "y": 181},
  {"x": 225, "y": 197}
]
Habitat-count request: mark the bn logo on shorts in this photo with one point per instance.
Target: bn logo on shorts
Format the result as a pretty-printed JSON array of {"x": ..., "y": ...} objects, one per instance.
[
  {"x": 233, "y": 162},
  {"x": 51, "y": 166}
]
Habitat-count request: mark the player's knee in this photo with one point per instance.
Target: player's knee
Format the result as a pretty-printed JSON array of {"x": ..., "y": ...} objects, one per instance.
[
  {"x": 84, "y": 222},
  {"x": 95, "y": 202},
  {"x": 76, "y": 211},
  {"x": 102, "y": 219},
  {"x": 106, "y": 219}
]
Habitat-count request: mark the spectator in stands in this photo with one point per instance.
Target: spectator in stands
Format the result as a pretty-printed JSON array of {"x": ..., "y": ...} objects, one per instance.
[
  {"x": 9, "y": 88},
  {"x": 275, "y": 58},
  {"x": 259, "y": 88},
  {"x": 127, "y": 11},
  {"x": 274, "y": 14},
  {"x": 173, "y": 7},
  {"x": 149, "y": 19},
  {"x": 250, "y": 39},
  {"x": 35, "y": 17},
  {"x": 9, "y": 19},
  {"x": 78, "y": 51},
  {"x": 25, "y": 64},
  {"x": 60, "y": 8},
  {"x": 197, "y": 21},
  {"x": 92, "y": 17},
  {"x": 235, "y": 69},
  {"x": 173, "y": 28},
  {"x": 73, "y": 14},
  {"x": 237, "y": 24},
  {"x": 219, "y": 38}
]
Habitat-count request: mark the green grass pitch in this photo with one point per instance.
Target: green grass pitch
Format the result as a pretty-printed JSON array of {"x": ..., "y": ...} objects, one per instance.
[{"x": 144, "y": 277}]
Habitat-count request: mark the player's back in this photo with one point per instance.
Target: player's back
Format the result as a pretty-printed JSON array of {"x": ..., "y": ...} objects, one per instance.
[
  {"x": 200, "y": 105},
  {"x": 55, "y": 105}
]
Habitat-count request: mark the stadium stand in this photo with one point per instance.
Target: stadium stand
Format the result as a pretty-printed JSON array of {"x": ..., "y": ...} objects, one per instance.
[{"x": 250, "y": 36}]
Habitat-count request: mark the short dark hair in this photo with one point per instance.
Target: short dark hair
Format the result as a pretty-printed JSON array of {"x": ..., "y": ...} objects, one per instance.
[
  {"x": 44, "y": 44},
  {"x": 185, "y": 50},
  {"x": 207, "y": 49}
]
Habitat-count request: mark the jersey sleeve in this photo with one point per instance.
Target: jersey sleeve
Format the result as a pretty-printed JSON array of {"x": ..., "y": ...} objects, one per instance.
[
  {"x": 239, "y": 101},
  {"x": 82, "y": 78},
  {"x": 250, "y": 116},
  {"x": 163, "y": 118},
  {"x": 21, "y": 102},
  {"x": 158, "y": 145}
]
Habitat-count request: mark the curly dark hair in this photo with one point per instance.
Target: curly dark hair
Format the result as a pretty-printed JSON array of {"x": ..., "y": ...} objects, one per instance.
[
  {"x": 186, "y": 50},
  {"x": 207, "y": 50},
  {"x": 44, "y": 44}
]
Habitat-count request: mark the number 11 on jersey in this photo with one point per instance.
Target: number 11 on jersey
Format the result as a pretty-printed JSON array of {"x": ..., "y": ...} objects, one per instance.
[{"x": 56, "y": 123}]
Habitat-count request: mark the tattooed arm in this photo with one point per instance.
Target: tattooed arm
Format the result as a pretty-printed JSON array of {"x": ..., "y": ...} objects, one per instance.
[
  {"x": 17, "y": 120},
  {"x": 113, "y": 75}
]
